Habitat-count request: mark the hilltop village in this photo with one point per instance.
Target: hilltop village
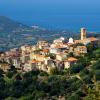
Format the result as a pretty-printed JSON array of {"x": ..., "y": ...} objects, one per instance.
[{"x": 62, "y": 53}]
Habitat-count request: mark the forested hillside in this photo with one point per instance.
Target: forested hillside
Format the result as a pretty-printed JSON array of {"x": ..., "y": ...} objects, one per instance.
[{"x": 80, "y": 82}]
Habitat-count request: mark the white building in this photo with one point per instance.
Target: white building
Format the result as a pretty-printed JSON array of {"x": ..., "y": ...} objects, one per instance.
[
  {"x": 71, "y": 40},
  {"x": 54, "y": 50},
  {"x": 60, "y": 40}
]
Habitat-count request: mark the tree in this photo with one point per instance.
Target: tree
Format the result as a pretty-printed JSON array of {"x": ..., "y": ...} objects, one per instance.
[
  {"x": 90, "y": 47},
  {"x": 11, "y": 72},
  {"x": 74, "y": 97},
  {"x": 10, "y": 98},
  {"x": 52, "y": 56},
  {"x": 1, "y": 73},
  {"x": 76, "y": 68},
  {"x": 43, "y": 73},
  {"x": 18, "y": 77},
  {"x": 71, "y": 54},
  {"x": 54, "y": 71}
]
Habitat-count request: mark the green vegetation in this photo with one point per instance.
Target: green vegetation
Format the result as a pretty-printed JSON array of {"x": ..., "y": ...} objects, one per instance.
[
  {"x": 23, "y": 34},
  {"x": 80, "y": 82}
]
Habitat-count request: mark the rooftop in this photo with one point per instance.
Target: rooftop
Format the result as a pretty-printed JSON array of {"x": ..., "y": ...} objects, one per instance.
[
  {"x": 92, "y": 39},
  {"x": 35, "y": 61},
  {"x": 46, "y": 50},
  {"x": 71, "y": 59}
]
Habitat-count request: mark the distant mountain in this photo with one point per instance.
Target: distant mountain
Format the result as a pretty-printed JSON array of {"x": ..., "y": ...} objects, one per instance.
[
  {"x": 8, "y": 25},
  {"x": 14, "y": 34}
]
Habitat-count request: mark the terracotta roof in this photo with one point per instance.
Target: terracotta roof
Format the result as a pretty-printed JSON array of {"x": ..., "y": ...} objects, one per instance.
[
  {"x": 80, "y": 41},
  {"x": 46, "y": 50},
  {"x": 61, "y": 46},
  {"x": 35, "y": 61},
  {"x": 83, "y": 47},
  {"x": 69, "y": 44},
  {"x": 38, "y": 55},
  {"x": 4, "y": 64},
  {"x": 87, "y": 39},
  {"x": 71, "y": 59},
  {"x": 93, "y": 39},
  {"x": 57, "y": 46}
]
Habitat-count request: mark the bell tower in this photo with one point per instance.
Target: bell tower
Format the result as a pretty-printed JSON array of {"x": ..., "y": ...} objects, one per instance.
[{"x": 83, "y": 33}]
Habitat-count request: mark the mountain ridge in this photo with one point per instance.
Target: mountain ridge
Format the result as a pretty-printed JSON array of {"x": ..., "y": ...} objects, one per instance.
[
  {"x": 15, "y": 34},
  {"x": 9, "y": 25}
]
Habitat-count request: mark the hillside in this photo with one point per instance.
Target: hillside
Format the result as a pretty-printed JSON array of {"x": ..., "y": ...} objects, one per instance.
[
  {"x": 8, "y": 25},
  {"x": 79, "y": 82},
  {"x": 14, "y": 34}
]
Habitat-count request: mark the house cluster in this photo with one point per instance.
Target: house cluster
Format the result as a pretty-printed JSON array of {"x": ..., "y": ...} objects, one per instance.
[{"x": 44, "y": 56}]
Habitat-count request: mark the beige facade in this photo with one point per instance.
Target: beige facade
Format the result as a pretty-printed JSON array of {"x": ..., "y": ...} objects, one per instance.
[
  {"x": 69, "y": 62},
  {"x": 25, "y": 58},
  {"x": 83, "y": 33},
  {"x": 80, "y": 50},
  {"x": 61, "y": 56},
  {"x": 43, "y": 45},
  {"x": 5, "y": 67}
]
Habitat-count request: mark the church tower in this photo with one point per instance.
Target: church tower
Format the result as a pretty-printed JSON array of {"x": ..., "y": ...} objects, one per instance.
[{"x": 83, "y": 33}]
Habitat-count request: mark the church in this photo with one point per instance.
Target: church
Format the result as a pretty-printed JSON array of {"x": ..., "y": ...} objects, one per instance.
[{"x": 84, "y": 40}]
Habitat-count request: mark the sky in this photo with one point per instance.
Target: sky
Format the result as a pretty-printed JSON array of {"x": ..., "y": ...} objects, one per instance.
[{"x": 54, "y": 13}]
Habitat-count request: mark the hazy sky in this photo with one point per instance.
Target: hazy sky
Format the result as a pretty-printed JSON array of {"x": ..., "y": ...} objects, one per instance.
[
  {"x": 53, "y": 10},
  {"x": 50, "y": 6}
]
